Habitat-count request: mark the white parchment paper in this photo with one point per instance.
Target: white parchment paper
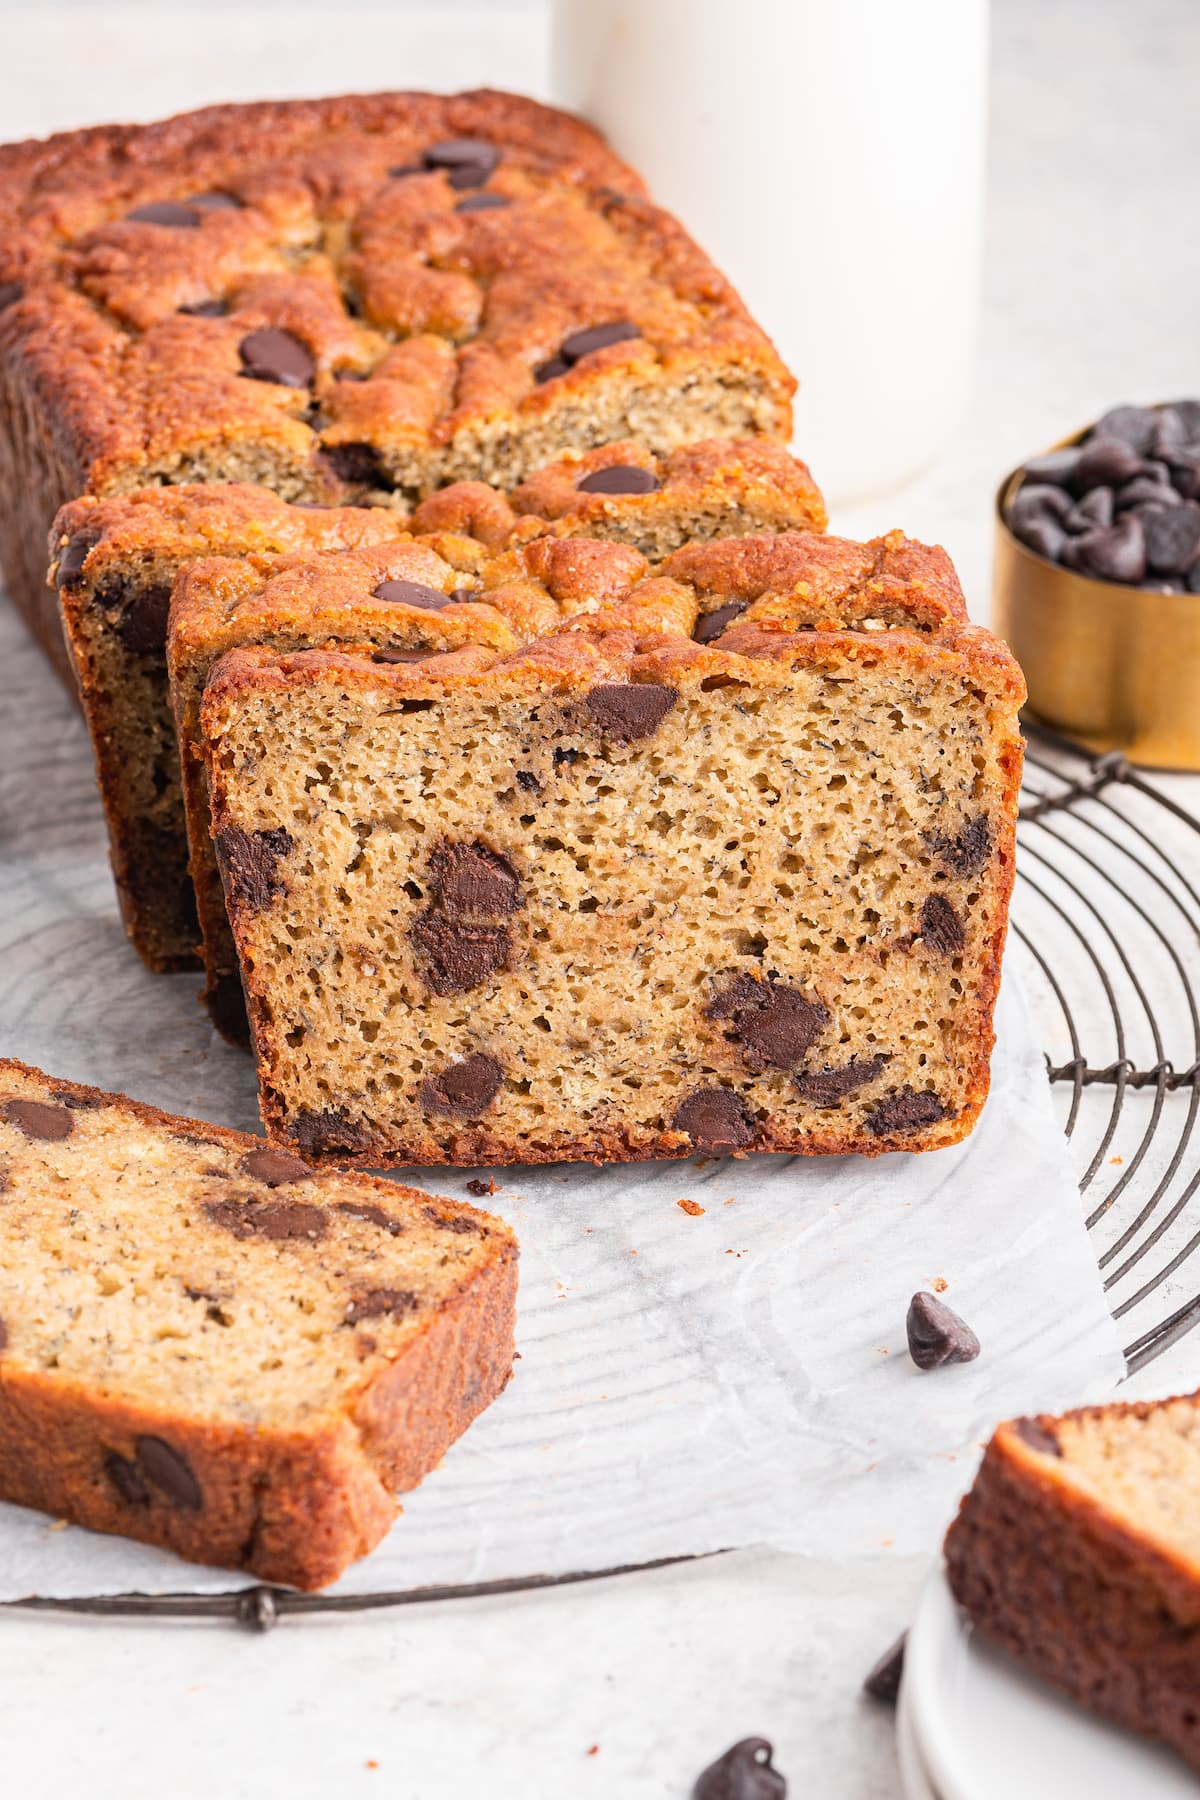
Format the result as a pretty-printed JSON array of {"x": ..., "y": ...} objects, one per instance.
[{"x": 686, "y": 1382}]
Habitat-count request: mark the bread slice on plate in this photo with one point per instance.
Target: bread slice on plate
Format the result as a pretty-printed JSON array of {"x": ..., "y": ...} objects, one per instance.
[{"x": 207, "y": 1347}]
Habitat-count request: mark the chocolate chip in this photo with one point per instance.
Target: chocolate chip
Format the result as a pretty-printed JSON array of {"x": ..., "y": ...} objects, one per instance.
[
  {"x": 381, "y": 1303},
  {"x": 1193, "y": 579},
  {"x": 941, "y": 927},
  {"x": 710, "y": 625},
  {"x": 1118, "y": 554},
  {"x": 1189, "y": 412},
  {"x": 1035, "y": 1434},
  {"x": 468, "y": 161},
  {"x": 374, "y": 1215},
  {"x": 463, "y": 1089},
  {"x": 73, "y": 555},
  {"x": 358, "y": 465},
  {"x": 461, "y": 1224},
  {"x": 206, "y": 309},
  {"x": 905, "y": 1110},
  {"x": 775, "y": 1025},
  {"x": 457, "y": 957},
  {"x": 619, "y": 478},
  {"x": 143, "y": 626},
  {"x": 403, "y": 169},
  {"x": 462, "y": 596},
  {"x": 127, "y": 1478},
  {"x": 550, "y": 371},
  {"x": 10, "y": 293},
  {"x": 332, "y": 1133},
  {"x": 215, "y": 201},
  {"x": 745, "y": 1772},
  {"x": 965, "y": 854},
  {"x": 165, "y": 212},
  {"x": 282, "y": 1221},
  {"x": 1169, "y": 432},
  {"x": 1043, "y": 537},
  {"x": 1132, "y": 425},
  {"x": 716, "y": 1119},
  {"x": 274, "y": 1167},
  {"x": 481, "y": 203},
  {"x": 883, "y": 1683},
  {"x": 1057, "y": 467},
  {"x": 1104, "y": 462},
  {"x": 274, "y": 355},
  {"x": 828, "y": 1086},
  {"x": 1036, "y": 505},
  {"x": 38, "y": 1121},
  {"x": 597, "y": 337},
  {"x": 1173, "y": 539},
  {"x": 249, "y": 862},
  {"x": 170, "y": 1472},
  {"x": 528, "y": 780},
  {"x": 1093, "y": 511},
  {"x": 85, "y": 1102},
  {"x": 3, "y": 1326},
  {"x": 412, "y": 593},
  {"x": 388, "y": 655},
  {"x": 471, "y": 880},
  {"x": 481, "y": 1189},
  {"x": 625, "y": 714},
  {"x": 937, "y": 1335}
]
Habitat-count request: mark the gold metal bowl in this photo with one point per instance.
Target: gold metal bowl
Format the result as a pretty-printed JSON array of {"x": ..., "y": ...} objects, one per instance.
[{"x": 1116, "y": 668}]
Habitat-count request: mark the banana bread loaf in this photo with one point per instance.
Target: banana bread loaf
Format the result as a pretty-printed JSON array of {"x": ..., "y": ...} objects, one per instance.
[
  {"x": 1076, "y": 1551},
  {"x": 208, "y": 1347},
  {"x": 719, "y": 861},
  {"x": 345, "y": 299}
]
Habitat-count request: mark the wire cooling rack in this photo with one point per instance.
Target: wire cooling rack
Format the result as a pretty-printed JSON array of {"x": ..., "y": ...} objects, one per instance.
[{"x": 1106, "y": 928}]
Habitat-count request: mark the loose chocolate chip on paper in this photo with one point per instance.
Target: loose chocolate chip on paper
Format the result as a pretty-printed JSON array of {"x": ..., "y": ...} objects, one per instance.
[
  {"x": 459, "y": 1223},
  {"x": 281, "y": 1221},
  {"x": 619, "y": 478},
  {"x": 411, "y": 593},
  {"x": 170, "y": 1472},
  {"x": 250, "y": 863},
  {"x": 883, "y": 1682},
  {"x": 716, "y": 1119},
  {"x": 597, "y": 337},
  {"x": 358, "y": 465},
  {"x": 463, "y": 1089},
  {"x": 374, "y": 1215},
  {"x": 710, "y": 625},
  {"x": 1037, "y": 1437},
  {"x": 127, "y": 1478},
  {"x": 941, "y": 927},
  {"x": 143, "y": 626},
  {"x": 905, "y": 1110},
  {"x": 936, "y": 1334},
  {"x": 481, "y": 203},
  {"x": 471, "y": 880},
  {"x": 481, "y": 1189},
  {"x": 274, "y": 1167},
  {"x": 828, "y": 1086},
  {"x": 745, "y": 1772},
  {"x": 455, "y": 957},
  {"x": 624, "y": 714},
  {"x": 381, "y": 1303},
  {"x": 165, "y": 212},
  {"x": 1173, "y": 539},
  {"x": 276, "y": 356},
  {"x": 37, "y": 1120}
]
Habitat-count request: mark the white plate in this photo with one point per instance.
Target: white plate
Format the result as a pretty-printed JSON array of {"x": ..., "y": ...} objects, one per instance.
[
  {"x": 914, "y": 1776},
  {"x": 983, "y": 1730}
]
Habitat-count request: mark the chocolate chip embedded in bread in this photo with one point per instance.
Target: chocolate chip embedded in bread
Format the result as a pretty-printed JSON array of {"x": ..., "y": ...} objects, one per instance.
[
  {"x": 941, "y": 927},
  {"x": 215, "y": 200},
  {"x": 745, "y": 1772},
  {"x": 171, "y": 1473},
  {"x": 966, "y": 853},
  {"x": 1035, "y": 1434},
  {"x": 167, "y": 213},
  {"x": 597, "y": 337},
  {"x": 883, "y": 1683},
  {"x": 374, "y": 1215},
  {"x": 716, "y": 1119},
  {"x": 127, "y": 1478},
  {"x": 473, "y": 881},
  {"x": 710, "y": 625},
  {"x": 249, "y": 863},
  {"x": 10, "y": 293},
  {"x": 275, "y": 1167},
  {"x": 359, "y": 465},
  {"x": 463, "y": 1089},
  {"x": 467, "y": 161},
  {"x": 282, "y": 1221},
  {"x": 626, "y": 713},
  {"x": 828, "y": 1085},
  {"x": 143, "y": 626},
  {"x": 461, "y": 1223},
  {"x": 329, "y": 1133},
  {"x": 276, "y": 356},
  {"x": 619, "y": 478},
  {"x": 73, "y": 555},
  {"x": 454, "y": 957},
  {"x": 35, "y": 1119},
  {"x": 550, "y": 371},
  {"x": 381, "y": 1303},
  {"x": 84, "y": 1102},
  {"x": 412, "y": 593},
  {"x": 481, "y": 203},
  {"x": 206, "y": 309},
  {"x": 905, "y": 1110},
  {"x": 936, "y": 1334},
  {"x": 3, "y": 1326},
  {"x": 775, "y": 1025}
]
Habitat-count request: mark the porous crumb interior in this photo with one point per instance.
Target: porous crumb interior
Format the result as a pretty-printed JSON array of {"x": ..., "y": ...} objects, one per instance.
[
  {"x": 144, "y": 1264},
  {"x": 1145, "y": 1469},
  {"x": 828, "y": 832}
]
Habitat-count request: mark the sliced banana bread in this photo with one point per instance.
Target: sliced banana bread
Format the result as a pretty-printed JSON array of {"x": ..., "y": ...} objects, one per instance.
[
  {"x": 206, "y": 1346},
  {"x": 1077, "y": 1550},
  {"x": 720, "y": 861}
]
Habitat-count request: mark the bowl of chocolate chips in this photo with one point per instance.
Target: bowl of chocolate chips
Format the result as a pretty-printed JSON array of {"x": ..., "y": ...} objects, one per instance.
[{"x": 1097, "y": 582}]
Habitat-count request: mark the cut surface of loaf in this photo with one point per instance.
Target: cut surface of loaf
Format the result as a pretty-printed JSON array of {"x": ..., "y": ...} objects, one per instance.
[
  {"x": 115, "y": 560},
  {"x": 720, "y": 861},
  {"x": 346, "y": 298},
  {"x": 205, "y": 1346},
  {"x": 1077, "y": 1551}
]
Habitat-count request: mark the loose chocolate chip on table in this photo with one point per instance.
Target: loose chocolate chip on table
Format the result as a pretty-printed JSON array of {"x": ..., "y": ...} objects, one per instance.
[
  {"x": 1104, "y": 462},
  {"x": 381, "y": 1303},
  {"x": 331, "y": 1132},
  {"x": 463, "y": 1089},
  {"x": 249, "y": 862},
  {"x": 459, "y": 1223},
  {"x": 481, "y": 203},
  {"x": 206, "y": 309},
  {"x": 73, "y": 555},
  {"x": 745, "y": 1772},
  {"x": 412, "y": 593},
  {"x": 282, "y": 1221},
  {"x": 905, "y": 1110},
  {"x": 597, "y": 337},
  {"x": 471, "y": 879},
  {"x": 1095, "y": 509},
  {"x": 274, "y": 1167},
  {"x": 625, "y": 714},
  {"x": 710, "y": 625},
  {"x": 164, "y": 212},
  {"x": 716, "y": 1119},
  {"x": 127, "y": 1478},
  {"x": 374, "y": 1215},
  {"x": 827, "y": 1086},
  {"x": 170, "y": 1471},
  {"x": 1118, "y": 554},
  {"x": 143, "y": 627},
  {"x": 276, "y": 356},
  {"x": 10, "y": 293},
  {"x": 37, "y": 1120},
  {"x": 455, "y": 957},
  {"x": 966, "y": 853},
  {"x": 941, "y": 927},
  {"x": 1037, "y": 1437},
  {"x": 1133, "y": 425},
  {"x": 937, "y": 1335},
  {"x": 477, "y": 1185},
  {"x": 359, "y": 465},
  {"x": 1173, "y": 539},
  {"x": 549, "y": 371},
  {"x": 883, "y": 1682},
  {"x": 619, "y": 478}
]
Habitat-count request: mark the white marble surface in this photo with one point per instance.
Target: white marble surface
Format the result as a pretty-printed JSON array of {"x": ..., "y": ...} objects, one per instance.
[{"x": 1092, "y": 291}]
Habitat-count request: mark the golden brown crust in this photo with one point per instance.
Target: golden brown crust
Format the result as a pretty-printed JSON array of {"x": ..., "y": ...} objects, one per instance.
[{"x": 294, "y": 1506}]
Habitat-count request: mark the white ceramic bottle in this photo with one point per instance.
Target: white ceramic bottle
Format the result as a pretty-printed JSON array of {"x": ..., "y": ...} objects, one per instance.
[{"x": 829, "y": 155}]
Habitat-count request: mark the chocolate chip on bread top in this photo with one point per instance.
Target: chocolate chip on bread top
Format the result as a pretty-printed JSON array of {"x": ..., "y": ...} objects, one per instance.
[{"x": 718, "y": 859}]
